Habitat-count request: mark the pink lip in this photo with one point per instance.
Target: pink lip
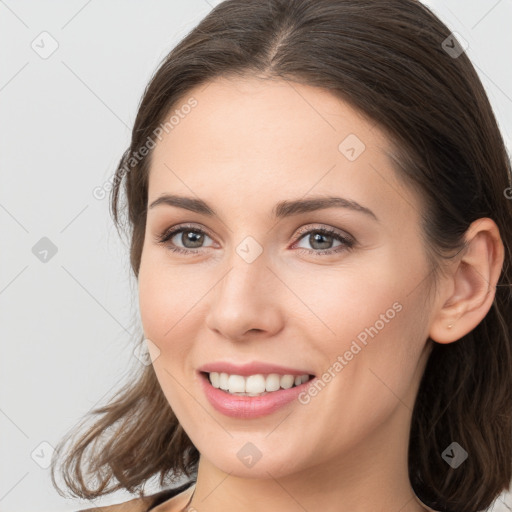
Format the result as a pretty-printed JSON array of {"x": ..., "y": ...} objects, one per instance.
[
  {"x": 251, "y": 369},
  {"x": 247, "y": 407}
]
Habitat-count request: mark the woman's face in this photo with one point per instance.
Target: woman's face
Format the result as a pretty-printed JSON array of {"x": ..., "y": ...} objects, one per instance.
[{"x": 263, "y": 285}]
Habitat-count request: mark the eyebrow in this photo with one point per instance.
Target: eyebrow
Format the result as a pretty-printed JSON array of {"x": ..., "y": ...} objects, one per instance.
[{"x": 281, "y": 210}]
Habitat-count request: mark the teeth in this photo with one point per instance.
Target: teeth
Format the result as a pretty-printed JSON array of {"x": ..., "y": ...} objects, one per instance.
[
  {"x": 236, "y": 384},
  {"x": 273, "y": 382},
  {"x": 223, "y": 381},
  {"x": 255, "y": 385},
  {"x": 287, "y": 381},
  {"x": 215, "y": 380}
]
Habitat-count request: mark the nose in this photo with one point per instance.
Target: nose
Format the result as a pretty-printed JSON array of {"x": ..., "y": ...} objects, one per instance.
[{"x": 246, "y": 300}]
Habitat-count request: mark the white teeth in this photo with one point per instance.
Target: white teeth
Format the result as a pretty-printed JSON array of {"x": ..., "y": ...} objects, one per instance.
[
  {"x": 254, "y": 385},
  {"x": 236, "y": 384},
  {"x": 215, "y": 379},
  {"x": 273, "y": 382},
  {"x": 287, "y": 381},
  {"x": 223, "y": 381}
]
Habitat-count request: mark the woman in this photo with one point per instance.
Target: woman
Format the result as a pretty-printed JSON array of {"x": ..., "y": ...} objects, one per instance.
[{"x": 317, "y": 202}]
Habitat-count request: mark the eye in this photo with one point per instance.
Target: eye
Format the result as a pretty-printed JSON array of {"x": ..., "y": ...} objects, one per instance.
[
  {"x": 191, "y": 237},
  {"x": 322, "y": 239}
]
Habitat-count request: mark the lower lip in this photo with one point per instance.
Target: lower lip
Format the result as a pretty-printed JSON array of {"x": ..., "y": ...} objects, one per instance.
[{"x": 247, "y": 407}]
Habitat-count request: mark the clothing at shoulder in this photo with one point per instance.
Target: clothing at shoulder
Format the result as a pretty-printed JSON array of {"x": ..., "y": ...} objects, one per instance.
[
  {"x": 135, "y": 505},
  {"x": 145, "y": 504}
]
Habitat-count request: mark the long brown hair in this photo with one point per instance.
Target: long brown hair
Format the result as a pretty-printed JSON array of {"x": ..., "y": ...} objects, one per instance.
[{"x": 398, "y": 64}]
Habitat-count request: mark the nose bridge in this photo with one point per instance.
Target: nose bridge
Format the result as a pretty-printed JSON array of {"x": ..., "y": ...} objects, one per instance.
[
  {"x": 241, "y": 300},
  {"x": 245, "y": 279},
  {"x": 247, "y": 265}
]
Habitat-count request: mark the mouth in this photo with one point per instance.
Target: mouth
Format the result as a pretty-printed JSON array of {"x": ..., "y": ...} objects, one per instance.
[
  {"x": 248, "y": 397},
  {"x": 255, "y": 385}
]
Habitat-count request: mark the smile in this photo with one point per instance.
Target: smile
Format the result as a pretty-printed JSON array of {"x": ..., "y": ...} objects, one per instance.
[
  {"x": 255, "y": 385},
  {"x": 248, "y": 405}
]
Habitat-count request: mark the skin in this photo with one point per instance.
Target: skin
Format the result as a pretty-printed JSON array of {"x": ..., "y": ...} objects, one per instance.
[{"x": 248, "y": 144}]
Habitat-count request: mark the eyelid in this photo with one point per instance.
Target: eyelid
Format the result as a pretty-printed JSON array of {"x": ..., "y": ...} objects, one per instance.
[
  {"x": 322, "y": 227},
  {"x": 173, "y": 230}
]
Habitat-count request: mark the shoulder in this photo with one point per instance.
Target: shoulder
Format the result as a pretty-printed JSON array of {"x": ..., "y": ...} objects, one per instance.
[
  {"x": 135, "y": 505},
  {"x": 145, "y": 504}
]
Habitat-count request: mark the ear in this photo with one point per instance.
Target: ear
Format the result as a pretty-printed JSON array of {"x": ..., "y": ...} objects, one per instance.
[{"x": 471, "y": 285}]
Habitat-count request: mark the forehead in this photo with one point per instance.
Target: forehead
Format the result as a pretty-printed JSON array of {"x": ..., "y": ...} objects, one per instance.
[
  {"x": 262, "y": 136},
  {"x": 251, "y": 110}
]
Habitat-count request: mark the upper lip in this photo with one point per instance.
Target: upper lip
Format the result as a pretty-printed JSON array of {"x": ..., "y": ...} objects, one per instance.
[{"x": 251, "y": 368}]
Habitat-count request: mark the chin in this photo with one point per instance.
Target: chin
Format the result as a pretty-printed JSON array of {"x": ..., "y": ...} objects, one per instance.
[{"x": 250, "y": 456}]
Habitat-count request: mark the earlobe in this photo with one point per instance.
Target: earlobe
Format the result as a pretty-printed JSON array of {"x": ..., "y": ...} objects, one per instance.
[{"x": 472, "y": 284}]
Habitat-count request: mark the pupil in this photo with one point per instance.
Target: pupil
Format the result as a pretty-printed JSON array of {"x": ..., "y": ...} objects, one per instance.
[
  {"x": 313, "y": 239},
  {"x": 192, "y": 237}
]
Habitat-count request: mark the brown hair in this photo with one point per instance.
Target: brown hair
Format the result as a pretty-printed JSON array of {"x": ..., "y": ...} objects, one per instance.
[{"x": 390, "y": 60}]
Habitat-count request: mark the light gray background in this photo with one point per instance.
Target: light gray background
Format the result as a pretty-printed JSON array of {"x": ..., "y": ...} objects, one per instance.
[{"x": 68, "y": 325}]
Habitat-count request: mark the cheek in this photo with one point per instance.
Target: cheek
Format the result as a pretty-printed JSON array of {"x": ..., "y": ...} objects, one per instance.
[
  {"x": 168, "y": 295},
  {"x": 371, "y": 312},
  {"x": 154, "y": 303},
  {"x": 371, "y": 360},
  {"x": 341, "y": 302}
]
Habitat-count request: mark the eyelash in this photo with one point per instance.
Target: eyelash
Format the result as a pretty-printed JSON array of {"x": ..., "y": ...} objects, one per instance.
[{"x": 346, "y": 243}]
